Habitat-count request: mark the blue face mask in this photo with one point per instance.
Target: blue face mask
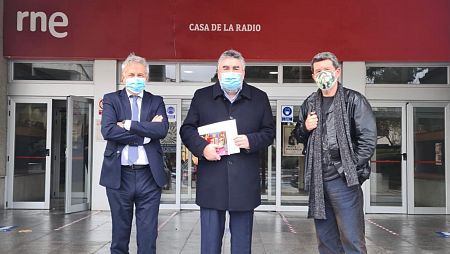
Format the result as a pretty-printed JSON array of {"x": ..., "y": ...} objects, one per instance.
[
  {"x": 231, "y": 81},
  {"x": 135, "y": 84}
]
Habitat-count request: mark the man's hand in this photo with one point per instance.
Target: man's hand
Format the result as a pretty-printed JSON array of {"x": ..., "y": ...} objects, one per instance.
[
  {"x": 210, "y": 152},
  {"x": 157, "y": 118},
  {"x": 241, "y": 141},
  {"x": 120, "y": 124},
  {"x": 311, "y": 121}
]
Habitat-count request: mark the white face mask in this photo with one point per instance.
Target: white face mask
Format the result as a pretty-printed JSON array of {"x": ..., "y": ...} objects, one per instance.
[{"x": 325, "y": 79}]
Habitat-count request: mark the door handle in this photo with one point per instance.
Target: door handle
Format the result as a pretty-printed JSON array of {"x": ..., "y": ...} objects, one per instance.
[
  {"x": 47, "y": 152},
  {"x": 404, "y": 156}
]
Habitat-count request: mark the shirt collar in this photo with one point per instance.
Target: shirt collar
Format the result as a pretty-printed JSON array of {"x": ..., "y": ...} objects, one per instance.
[
  {"x": 140, "y": 95},
  {"x": 245, "y": 91}
]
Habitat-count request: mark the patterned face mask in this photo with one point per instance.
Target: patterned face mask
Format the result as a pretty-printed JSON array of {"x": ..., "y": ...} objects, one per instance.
[{"x": 325, "y": 79}]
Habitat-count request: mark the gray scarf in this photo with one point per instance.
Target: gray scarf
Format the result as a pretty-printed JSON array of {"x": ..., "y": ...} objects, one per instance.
[{"x": 313, "y": 174}]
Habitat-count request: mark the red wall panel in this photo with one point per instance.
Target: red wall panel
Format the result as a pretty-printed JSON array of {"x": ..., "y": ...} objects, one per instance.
[{"x": 370, "y": 30}]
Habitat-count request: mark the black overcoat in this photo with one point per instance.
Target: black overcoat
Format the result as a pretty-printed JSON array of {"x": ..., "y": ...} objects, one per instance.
[{"x": 232, "y": 183}]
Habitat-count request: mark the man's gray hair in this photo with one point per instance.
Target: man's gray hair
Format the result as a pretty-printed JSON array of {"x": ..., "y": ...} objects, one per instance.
[
  {"x": 325, "y": 56},
  {"x": 132, "y": 58},
  {"x": 231, "y": 53}
]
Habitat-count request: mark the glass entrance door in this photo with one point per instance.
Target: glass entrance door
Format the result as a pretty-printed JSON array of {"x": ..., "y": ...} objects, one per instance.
[
  {"x": 268, "y": 173},
  {"x": 78, "y": 154},
  {"x": 170, "y": 197},
  {"x": 386, "y": 189},
  {"x": 291, "y": 194},
  {"x": 427, "y": 134},
  {"x": 29, "y": 146},
  {"x": 188, "y": 169},
  {"x": 409, "y": 167}
]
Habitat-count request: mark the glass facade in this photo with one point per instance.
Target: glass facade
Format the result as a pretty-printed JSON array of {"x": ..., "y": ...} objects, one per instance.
[
  {"x": 429, "y": 157},
  {"x": 297, "y": 74},
  {"x": 162, "y": 73},
  {"x": 53, "y": 71},
  {"x": 207, "y": 73},
  {"x": 261, "y": 74},
  {"x": 407, "y": 75},
  {"x": 386, "y": 163},
  {"x": 168, "y": 145},
  {"x": 30, "y": 142},
  {"x": 292, "y": 165},
  {"x": 198, "y": 73},
  {"x": 281, "y": 178}
]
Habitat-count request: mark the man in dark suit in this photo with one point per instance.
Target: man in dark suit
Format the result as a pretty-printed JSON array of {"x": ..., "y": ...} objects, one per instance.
[
  {"x": 230, "y": 182},
  {"x": 133, "y": 122}
]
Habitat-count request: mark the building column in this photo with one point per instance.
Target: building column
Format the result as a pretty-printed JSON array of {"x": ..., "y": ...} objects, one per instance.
[
  {"x": 3, "y": 112},
  {"x": 354, "y": 76},
  {"x": 105, "y": 74}
]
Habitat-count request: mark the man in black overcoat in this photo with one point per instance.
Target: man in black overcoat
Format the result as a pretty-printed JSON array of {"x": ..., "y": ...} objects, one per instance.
[{"x": 229, "y": 182}]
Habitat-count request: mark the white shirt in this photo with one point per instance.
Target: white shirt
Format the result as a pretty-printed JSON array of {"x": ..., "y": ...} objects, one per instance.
[{"x": 142, "y": 155}]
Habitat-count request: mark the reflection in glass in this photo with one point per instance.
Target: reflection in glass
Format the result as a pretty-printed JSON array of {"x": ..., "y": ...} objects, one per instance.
[
  {"x": 30, "y": 142},
  {"x": 80, "y": 152},
  {"x": 198, "y": 73},
  {"x": 268, "y": 164},
  {"x": 162, "y": 73},
  {"x": 261, "y": 74},
  {"x": 386, "y": 163},
  {"x": 429, "y": 157},
  {"x": 188, "y": 166},
  {"x": 292, "y": 166},
  {"x": 406, "y": 75},
  {"x": 297, "y": 74},
  {"x": 53, "y": 71},
  {"x": 168, "y": 145},
  {"x": 188, "y": 176}
]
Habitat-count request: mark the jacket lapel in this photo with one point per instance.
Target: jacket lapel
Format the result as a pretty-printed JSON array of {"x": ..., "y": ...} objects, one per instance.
[
  {"x": 145, "y": 106},
  {"x": 125, "y": 101}
]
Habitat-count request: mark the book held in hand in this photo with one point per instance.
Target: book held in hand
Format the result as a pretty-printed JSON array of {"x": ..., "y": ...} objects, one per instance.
[
  {"x": 218, "y": 138},
  {"x": 221, "y": 133}
]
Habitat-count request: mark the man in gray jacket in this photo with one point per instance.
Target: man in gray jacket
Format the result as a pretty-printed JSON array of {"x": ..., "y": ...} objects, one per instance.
[{"x": 338, "y": 129}]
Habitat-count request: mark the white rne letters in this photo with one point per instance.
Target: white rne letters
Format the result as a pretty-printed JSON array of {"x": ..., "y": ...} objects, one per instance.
[{"x": 57, "y": 19}]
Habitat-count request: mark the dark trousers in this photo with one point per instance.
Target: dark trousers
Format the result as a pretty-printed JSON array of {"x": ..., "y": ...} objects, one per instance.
[
  {"x": 213, "y": 226},
  {"x": 343, "y": 230},
  {"x": 139, "y": 189}
]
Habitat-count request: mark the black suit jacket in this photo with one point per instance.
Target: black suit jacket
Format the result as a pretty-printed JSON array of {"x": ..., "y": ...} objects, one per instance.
[{"x": 116, "y": 108}]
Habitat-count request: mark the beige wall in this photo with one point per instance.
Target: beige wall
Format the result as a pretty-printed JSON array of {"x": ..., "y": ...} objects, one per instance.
[{"x": 3, "y": 113}]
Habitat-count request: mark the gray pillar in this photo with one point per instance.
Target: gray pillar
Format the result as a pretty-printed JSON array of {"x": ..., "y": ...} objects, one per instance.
[
  {"x": 104, "y": 82},
  {"x": 354, "y": 76},
  {"x": 3, "y": 112}
]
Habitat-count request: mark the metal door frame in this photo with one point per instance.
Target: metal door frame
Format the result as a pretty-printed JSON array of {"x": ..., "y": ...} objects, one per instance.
[
  {"x": 278, "y": 205},
  {"x": 410, "y": 173},
  {"x": 69, "y": 208},
  {"x": 12, "y": 101},
  {"x": 176, "y": 205},
  {"x": 366, "y": 185}
]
